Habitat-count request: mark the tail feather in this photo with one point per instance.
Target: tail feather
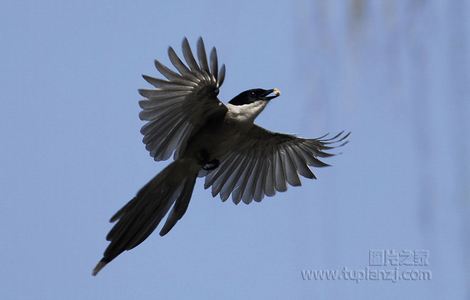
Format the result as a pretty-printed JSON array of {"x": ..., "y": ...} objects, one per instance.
[
  {"x": 180, "y": 207},
  {"x": 100, "y": 265},
  {"x": 141, "y": 216},
  {"x": 129, "y": 206}
]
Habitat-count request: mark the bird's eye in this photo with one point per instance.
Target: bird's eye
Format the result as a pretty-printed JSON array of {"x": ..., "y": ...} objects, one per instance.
[{"x": 252, "y": 94}]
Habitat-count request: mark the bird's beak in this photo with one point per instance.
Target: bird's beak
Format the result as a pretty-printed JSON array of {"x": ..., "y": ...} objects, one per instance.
[{"x": 271, "y": 94}]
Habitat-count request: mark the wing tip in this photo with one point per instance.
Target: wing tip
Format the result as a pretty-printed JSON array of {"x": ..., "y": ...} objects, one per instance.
[
  {"x": 147, "y": 78},
  {"x": 185, "y": 42}
]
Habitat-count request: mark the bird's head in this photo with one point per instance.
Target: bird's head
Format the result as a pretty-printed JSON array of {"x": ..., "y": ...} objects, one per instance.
[
  {"x": 249, "y": 104},
  {"x": 254, "y": 95}
]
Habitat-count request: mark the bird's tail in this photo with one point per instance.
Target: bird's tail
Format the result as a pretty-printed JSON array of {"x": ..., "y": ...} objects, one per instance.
[{"x": 140, "y": 216}]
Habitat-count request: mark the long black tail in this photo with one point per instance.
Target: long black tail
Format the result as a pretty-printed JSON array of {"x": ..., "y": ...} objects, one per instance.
[{"x": 140, "y": 216}]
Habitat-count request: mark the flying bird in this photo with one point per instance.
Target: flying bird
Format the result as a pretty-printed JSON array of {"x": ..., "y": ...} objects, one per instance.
[{"x": 207, "y": 138}]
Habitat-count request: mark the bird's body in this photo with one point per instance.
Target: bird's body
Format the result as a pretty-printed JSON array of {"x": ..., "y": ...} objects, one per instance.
[
  {"x": 209, "y": 139},
  {"x": 223, "y": 132}
]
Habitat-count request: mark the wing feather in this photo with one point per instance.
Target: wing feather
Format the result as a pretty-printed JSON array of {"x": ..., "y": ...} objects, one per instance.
[
  {"x": 265, "y": 162},
  {"x": 249, "y": 190},
  {"x": 230, "y": 184},
  {"x": 289, "y": 167},
  {"x": 221, "y": 77},
  {"x": 300, "y": 164},
  {"x": 280, "y": 177},
  {"x": 190, "y": 60},
  {"x": 202, "y": 57},
  {"x": 260, "y": 183},
  {"x": 243, "y": 179},
  {"x": 180, "y": 66},
  {"x": 182, "y": 103},
  {"x": 214, "y": 64},
  {"x": 171, "y": 75},
  {"x": 167, "y": 85},
  {"x": 225, "y": 174},
  {"x": 270, "y": 175}
]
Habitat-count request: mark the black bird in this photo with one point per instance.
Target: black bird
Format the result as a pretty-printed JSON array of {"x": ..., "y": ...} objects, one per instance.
[{"x": 208, "y": 139}]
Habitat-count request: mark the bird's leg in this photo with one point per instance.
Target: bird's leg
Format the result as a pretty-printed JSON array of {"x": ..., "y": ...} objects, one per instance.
[
  {"x": 208, "y": 165},
  {"x": 211, "y": 165}
]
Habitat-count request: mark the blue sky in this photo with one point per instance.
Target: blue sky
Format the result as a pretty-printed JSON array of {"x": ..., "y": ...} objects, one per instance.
[{"x": 73, "y": 154}]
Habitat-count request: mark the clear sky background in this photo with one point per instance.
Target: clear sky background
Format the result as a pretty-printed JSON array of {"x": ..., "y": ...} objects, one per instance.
[{"x": 395, "y": 73}]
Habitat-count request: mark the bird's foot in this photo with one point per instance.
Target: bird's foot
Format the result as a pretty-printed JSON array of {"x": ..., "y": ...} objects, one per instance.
[{"x": 211, "y": 165}]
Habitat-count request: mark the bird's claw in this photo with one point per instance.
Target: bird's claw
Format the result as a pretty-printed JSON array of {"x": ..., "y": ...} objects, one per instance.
[{"x": 211, "y": 165}]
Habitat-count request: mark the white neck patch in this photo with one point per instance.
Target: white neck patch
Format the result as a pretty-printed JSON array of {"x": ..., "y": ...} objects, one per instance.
[{"x": 246, "y": 113}]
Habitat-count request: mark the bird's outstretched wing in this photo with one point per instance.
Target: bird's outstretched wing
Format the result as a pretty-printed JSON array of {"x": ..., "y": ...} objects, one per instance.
[
  {"x": 182, "y": 103},
  {"x": 263, "y": 162}
]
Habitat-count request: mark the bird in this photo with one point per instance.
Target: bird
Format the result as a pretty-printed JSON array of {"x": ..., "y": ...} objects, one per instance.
[{"x": 184, "y": 118}]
